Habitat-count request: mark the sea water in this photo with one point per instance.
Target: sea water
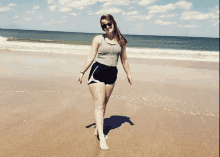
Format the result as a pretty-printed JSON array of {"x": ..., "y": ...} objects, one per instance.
[{"x": 140, "y": 46}]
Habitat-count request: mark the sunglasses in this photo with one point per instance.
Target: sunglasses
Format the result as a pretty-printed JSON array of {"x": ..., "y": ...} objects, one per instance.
[{"x": 105, "y": 25}]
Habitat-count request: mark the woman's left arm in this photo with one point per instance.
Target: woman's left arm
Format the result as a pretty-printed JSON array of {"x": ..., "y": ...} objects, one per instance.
[{"x": 125, "y": 64}]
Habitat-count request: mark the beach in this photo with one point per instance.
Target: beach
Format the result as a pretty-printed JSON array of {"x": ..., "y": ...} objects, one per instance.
[{"x": 170, "y": 110}]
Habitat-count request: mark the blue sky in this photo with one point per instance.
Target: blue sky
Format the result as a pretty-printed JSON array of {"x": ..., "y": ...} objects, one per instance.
[{"x": 197, "y": 18}]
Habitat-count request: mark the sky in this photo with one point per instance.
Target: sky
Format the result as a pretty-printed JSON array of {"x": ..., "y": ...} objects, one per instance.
[{"x": 194, "y": 18}]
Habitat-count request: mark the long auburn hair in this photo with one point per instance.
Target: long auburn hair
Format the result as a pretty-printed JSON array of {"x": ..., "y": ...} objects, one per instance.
[{"x": 119, "y": 37}]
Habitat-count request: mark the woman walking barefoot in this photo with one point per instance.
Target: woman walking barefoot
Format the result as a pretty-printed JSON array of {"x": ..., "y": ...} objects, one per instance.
[{"x": 103, "y": 74}]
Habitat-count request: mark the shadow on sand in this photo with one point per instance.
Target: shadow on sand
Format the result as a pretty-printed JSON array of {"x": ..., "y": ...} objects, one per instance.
[{"x": 113, "y": 122}]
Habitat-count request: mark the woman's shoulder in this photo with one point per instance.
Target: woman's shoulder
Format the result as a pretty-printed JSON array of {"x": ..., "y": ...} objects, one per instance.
[{"x": 98, "y": 38}]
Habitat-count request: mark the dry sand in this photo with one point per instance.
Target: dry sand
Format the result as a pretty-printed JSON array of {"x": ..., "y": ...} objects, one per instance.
[{"x": 170, "y": 110}]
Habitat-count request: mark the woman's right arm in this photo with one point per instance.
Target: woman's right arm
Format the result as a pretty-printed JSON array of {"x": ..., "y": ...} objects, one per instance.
[{"x": 91, "y": 57}]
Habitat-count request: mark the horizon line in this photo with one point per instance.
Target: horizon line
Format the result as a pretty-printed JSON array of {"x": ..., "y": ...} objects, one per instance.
[{"x": 98, "y": 33}]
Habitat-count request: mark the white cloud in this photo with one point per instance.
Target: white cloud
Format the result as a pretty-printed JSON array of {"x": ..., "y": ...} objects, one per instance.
[
  {"x": 49, "y": 1},
  {"x": 116, "y": 2},
  {"x": 29, "y": 12},
  {"x": 36, "y": 7},
  {"x": 8, "y": 7},
  {"x": 64, "y": 16},
  {"x": 106, "y": 4},
  {"x": 141, "y": 17},
  {"x": 15, "y": 17},
  {"x": 159, "y": 22},
  {"x": 215, "y": 12},
  {"x": 64, "y": 2},
  {"x": 130, "y": 13},
  {"x": 183, "y": 5},
  {"x": 194, "y": 15},
  {"x": 146, "y": 2},
  {"x": 102, "y": 0},
  {"x": 73, "y": 14},
  {"x": 52, "y": 7},
  {"x": 213, "y": 15},
  {"x": 28, "y": 19},
  {"x": 216, "y": 9},
  {"x": 80, "y": 4},
  {"x": 65, "y": 5},
  {"x": 188, "y": 26},
  {"x": 64, "y": 9},
  {"x": 171, "y": 15},
  {"x": 12, "y": 4},
  {"x": 163, "y": 8},
  {"x": 109, "y": 11},
  {"x": 216, "y": 23}
]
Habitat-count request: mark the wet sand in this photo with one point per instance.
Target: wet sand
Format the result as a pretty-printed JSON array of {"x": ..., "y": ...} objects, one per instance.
[{"x": 170, "y": 110}]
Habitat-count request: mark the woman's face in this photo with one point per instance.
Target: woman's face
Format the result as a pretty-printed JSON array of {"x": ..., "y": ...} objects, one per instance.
[{"x": 107, "y": 29}]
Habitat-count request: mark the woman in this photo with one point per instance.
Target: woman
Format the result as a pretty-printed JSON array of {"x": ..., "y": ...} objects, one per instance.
[{"x": 104, "y": 71}]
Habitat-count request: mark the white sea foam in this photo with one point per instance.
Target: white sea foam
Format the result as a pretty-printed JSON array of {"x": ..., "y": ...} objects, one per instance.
[
  {"x": 3, "y": 39},
  {"x": 151, "y": 53},
  {"x": 211, "y": 56}
]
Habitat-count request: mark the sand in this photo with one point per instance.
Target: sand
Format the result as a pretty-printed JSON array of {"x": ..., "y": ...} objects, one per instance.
[{"x": 170, "y": 110}]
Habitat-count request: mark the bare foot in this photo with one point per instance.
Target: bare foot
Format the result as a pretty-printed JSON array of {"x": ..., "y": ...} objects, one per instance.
[{"x": 103, "y": 144}]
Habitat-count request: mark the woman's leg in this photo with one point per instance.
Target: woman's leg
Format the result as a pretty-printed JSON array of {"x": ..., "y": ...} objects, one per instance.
[
  {"x": 98, "y": 93},
  {"x": 108, "y": 92}
]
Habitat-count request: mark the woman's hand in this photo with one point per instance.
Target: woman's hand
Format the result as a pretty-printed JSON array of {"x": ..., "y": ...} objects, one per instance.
[
  {"x": 129, "y": 79},
  {"x": 80, "y": 78}
]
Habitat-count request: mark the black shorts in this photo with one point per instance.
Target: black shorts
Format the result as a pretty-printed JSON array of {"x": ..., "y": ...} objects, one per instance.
[{"x": 102, "y": 73}]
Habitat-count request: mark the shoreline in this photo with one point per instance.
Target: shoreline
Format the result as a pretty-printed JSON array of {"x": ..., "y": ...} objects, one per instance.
[
  {"x": 132, "y": 52},
  {"x": 87, "y": 43},
  {"x": 209, "y": 65},
  {"x": 4, "y": 39}
]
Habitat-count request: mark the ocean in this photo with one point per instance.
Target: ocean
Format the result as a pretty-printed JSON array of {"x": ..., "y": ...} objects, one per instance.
[
  {"x": 138, "y": 41},
  {"x": 140, "y": 46}
]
